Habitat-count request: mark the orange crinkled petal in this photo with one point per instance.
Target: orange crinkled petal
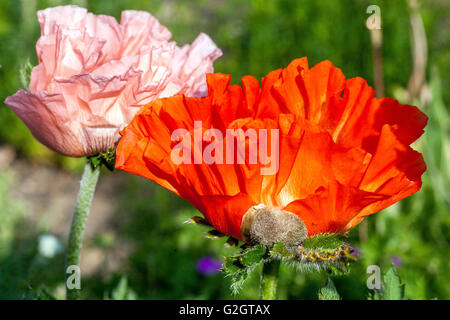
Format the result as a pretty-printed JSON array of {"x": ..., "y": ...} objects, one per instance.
[{"x": 343, "y": 154}]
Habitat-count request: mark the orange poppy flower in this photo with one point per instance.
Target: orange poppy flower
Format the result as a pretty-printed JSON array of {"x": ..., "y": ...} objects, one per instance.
[{"x": 341, "y": 153}]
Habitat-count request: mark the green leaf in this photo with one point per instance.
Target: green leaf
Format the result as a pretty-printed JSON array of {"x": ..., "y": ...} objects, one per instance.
[
  {"x": 107, "y": 158},
  {"x": 392, "y": 288},
  {"x": 253, "y": 256},
  {"x": 239, "y": 266},
  {"x": 95, "y": 161},
  {"x": 323, "y": 241},
  {"x": 279, "y": 249},
  {"x": 238, "y": 273},
  {"x": 25, "y": 74},
  {"x": 238, "y": 280},
  {"x": 122, "y": 291},
  {"x": 329, "y": 292},
  {"x": 232, "y": 265}
]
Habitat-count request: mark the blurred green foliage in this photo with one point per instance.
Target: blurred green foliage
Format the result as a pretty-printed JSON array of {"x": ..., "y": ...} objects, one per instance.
[{"x": 256, "y": 36}]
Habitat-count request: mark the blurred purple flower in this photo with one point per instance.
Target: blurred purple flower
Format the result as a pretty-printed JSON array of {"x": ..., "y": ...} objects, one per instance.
[
  {"x": 396, "y": 261},
  {"x": 208, "y": 266}
]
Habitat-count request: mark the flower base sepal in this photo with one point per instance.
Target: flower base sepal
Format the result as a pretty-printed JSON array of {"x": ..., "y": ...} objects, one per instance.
[
  {"x": 322, "y": 252},
  {"x": 108, "y": 159}
]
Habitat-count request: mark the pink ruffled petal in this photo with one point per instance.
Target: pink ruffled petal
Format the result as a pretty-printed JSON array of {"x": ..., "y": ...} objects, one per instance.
[
  {"x": 141, "y": 29},
  {"x": 192, "y": 63},
  {"x": 44, "y": 114},
  {"x": 94, "y": 74}
]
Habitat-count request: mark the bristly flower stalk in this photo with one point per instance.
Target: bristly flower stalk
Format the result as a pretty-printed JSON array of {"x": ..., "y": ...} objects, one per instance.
[
  {"x": 88, "y": 184},
  {"x": 269, "y": 280}
]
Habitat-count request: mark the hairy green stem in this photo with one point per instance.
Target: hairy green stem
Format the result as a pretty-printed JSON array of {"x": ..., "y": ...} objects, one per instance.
[
  {"x": 269, "y": 280},
  {"x": 84, "y": 200}
]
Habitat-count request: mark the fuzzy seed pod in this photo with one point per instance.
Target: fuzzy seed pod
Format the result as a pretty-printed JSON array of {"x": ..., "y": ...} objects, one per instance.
[{"x": 265, "y": 225}]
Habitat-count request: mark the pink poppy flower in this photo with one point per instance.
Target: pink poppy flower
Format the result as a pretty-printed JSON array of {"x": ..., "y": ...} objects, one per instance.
[{"x": 94, "y": 74}]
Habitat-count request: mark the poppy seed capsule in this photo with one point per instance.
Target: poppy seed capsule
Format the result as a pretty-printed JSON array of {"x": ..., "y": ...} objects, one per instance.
[{"x": 265, "y": 225}]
